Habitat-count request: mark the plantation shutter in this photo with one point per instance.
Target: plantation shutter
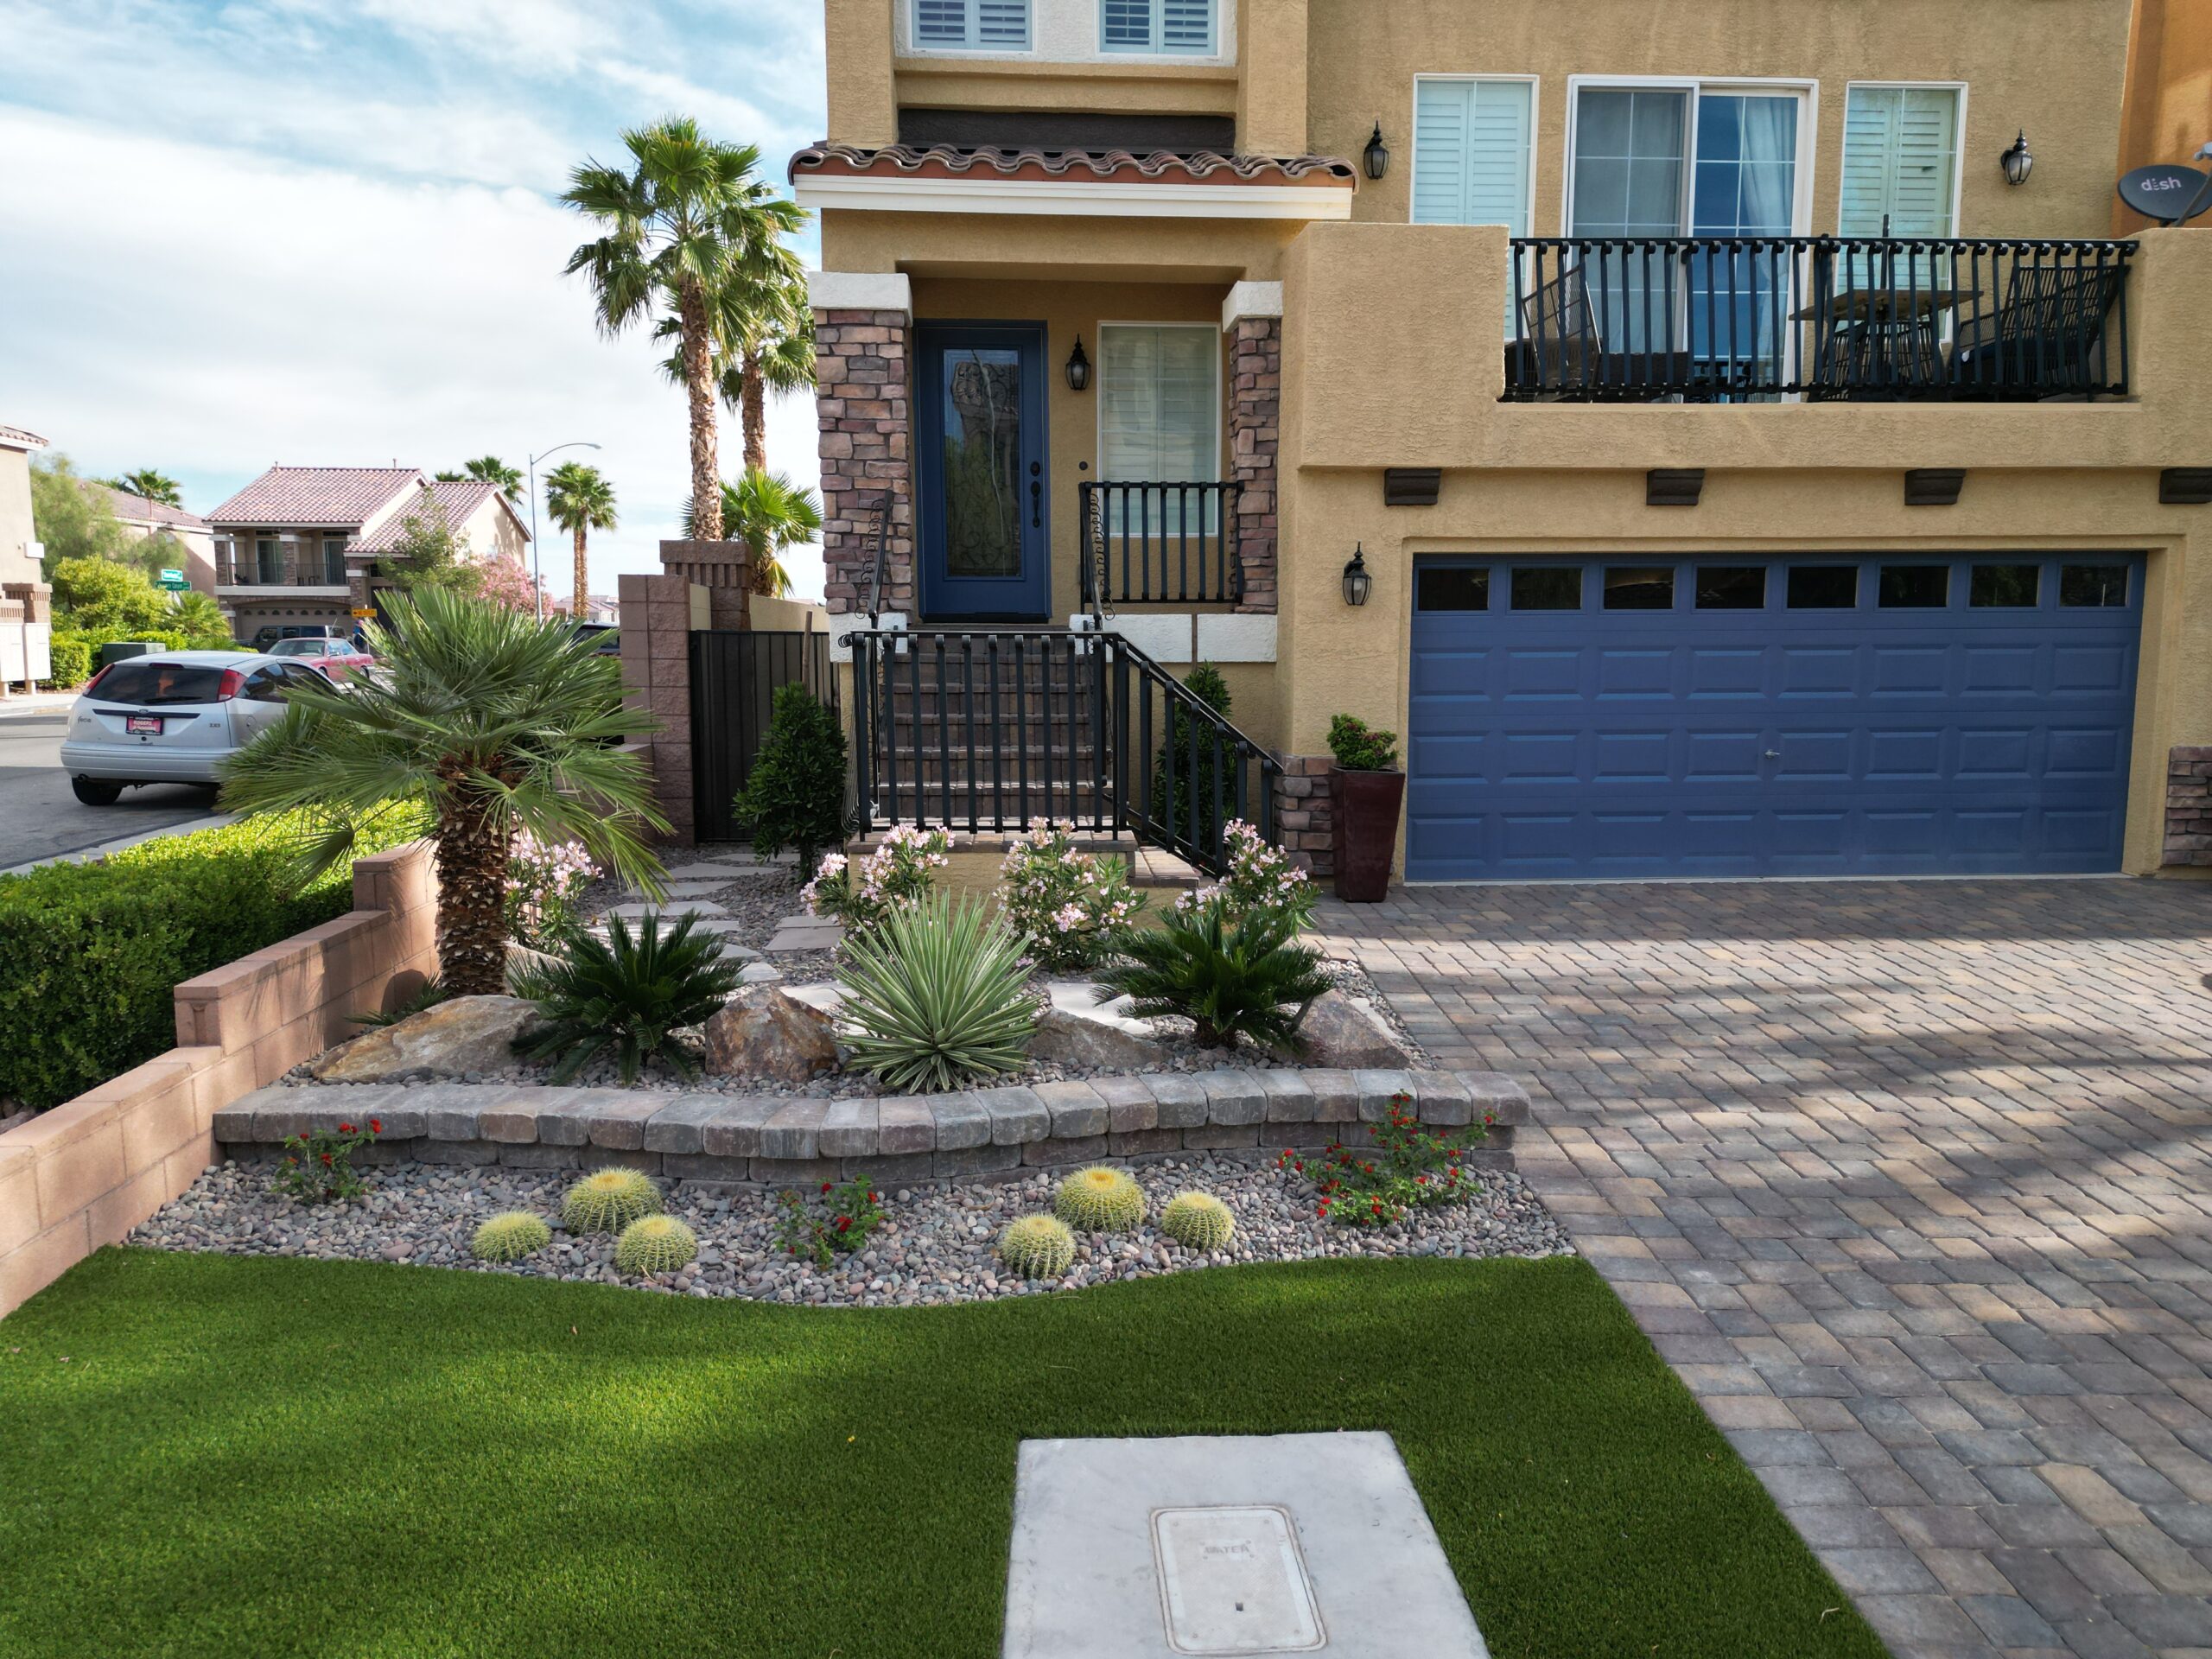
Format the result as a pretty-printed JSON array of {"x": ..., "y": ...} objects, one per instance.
[
  {"x": 1159, "y": 403},
  {"x": 1470, "y": 153},
  {"x": 1900, "y": 164},
  {"x": 1002, "y": 24},
  {"x": 1156, "y": 25}
]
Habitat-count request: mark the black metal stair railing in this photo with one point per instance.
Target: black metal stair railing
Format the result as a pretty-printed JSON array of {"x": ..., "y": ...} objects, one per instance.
[{"x": 992, "y": 729}]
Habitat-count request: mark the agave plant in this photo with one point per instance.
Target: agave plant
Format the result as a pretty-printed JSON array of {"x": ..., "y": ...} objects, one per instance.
[
  {"x": 1248, "y": 980},
  {"x": 631, "y": 993},
  {"x": 934, "y": 994}
]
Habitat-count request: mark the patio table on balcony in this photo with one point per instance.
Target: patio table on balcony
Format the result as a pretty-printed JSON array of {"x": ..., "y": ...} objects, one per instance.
[{"x": 1879, "y": 342}]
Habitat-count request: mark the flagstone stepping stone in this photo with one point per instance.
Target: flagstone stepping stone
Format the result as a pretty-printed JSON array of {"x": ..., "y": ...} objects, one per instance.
[
  {"x": 805, "y": 933},
  {"x": 699, "y": 907},
  {"x": 721, "y": 873}
]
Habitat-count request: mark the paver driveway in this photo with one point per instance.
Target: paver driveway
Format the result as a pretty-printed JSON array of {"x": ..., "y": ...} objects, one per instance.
[{"x": 1912, "y": 1183}]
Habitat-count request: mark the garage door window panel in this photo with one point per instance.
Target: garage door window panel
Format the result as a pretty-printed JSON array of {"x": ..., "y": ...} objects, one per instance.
[
  {"x": 2092, "y": 587},
  {"x": 2005, "y": 587},
  {"x": 1630, "y": 588},
  {"x": 1823, "y": 586},
  {"x": 1547, "y": 588},
  {"x": 1732, "y": 588},
  {"x": 1914, "y": 587},
  {"x": 1451, "y": 588}
]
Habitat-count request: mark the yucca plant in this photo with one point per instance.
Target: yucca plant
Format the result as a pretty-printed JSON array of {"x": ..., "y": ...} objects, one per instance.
[
  {"x": 632, "y": 992},
  {"x": 934, "y": 994},
  {"x": 1248, "y": 980}
]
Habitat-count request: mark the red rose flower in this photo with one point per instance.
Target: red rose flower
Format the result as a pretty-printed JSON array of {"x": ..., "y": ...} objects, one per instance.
[
  {"x": 376, "y": 1126},
  {"x": 844, "y": 1224},
  {"x": 825, "y": 1186},
  {"x": 325, "y": 1157},
  {"x": 345, "y": 1128}
]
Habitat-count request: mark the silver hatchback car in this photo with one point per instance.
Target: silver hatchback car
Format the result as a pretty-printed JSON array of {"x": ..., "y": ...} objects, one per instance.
[{"x": 173, "y": 717}]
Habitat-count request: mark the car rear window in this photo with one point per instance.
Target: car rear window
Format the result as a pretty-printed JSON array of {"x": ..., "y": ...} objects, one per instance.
[{"x": 146, "y": 684}]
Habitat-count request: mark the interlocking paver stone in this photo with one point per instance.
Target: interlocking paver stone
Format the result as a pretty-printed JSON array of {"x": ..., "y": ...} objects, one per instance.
[{"x": 1933, "y": 1161}]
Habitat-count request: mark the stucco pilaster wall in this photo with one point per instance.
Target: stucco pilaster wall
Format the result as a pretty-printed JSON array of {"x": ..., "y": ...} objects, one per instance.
[{"x": 660, "y": 615}]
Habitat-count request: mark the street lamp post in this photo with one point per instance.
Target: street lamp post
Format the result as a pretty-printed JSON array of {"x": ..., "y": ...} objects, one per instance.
[{"x": 536, "y": 573}]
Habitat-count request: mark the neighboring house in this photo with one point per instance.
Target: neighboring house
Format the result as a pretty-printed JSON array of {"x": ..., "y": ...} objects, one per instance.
[
  {"x": 1746, "y": 476},
  {"x": 26, "y": 616},
  {"x": 301, "y": 545},
  {"x": 194, "y": 540},
  {"x": 598, "y": 607}
]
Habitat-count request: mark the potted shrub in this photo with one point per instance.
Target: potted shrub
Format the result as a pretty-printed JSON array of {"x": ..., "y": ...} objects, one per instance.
[{"x": 1369, "y": 790}]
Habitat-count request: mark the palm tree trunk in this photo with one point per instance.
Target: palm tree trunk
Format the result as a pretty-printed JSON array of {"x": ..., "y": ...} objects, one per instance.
[
  {"x": 472, "y": 856},
  {"x": 753, "y": 412},
  {"x": 581, "y": 613},
  {"x": 699, "y": 385}
]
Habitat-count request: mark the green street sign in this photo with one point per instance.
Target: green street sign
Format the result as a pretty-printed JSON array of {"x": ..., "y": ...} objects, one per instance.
[{"x": 175, "y": 581}]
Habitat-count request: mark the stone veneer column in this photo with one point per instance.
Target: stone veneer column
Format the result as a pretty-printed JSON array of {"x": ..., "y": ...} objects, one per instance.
[
  {"x": 863, "y": 321},
  {"x": 2188, "y": 806},
  {"x": 659, "y": 616},
  {"x": 1252, "y": 317},
  {"x": 1306, "y": 812}
]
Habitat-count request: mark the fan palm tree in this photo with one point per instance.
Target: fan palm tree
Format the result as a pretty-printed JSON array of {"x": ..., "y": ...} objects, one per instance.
[
  {"x": 687, "y": 214},
  {"x": 152, "y": 486},
  {"x": 485, "y": 721},
  {"x": 490, "y": 469},
  {"x": 768, "y": 513},
  {"x": 763, "y": 342},
  {"x": 580, "y": 498}
]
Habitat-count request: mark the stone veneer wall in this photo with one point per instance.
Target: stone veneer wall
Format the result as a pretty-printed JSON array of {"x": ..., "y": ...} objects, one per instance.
[
  {"x": 1305, "y": 813},
  {"x": 1255, "y": 432},
  {"x": 867, "y": 442},
  {"x": 658, "y": 615},
  {"x": 87, "y": 1172},
  {"x": 2188, "y": 806},
  {"x": 782, "y": 1139}
]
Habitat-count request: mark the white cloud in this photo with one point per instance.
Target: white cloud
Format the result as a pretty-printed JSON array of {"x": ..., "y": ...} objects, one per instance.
[{"x": 238, "y": 310}]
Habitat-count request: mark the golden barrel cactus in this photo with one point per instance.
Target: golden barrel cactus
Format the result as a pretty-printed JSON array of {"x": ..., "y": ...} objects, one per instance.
[
  {"x": 509, "y": 1236},
  {"x": 655, "y": 1244},
  {"x": 1197, "y": 1221},
  {"x": 1038, "y": 1247},
  {"x": 608, "y": 1200},
  {"x": 1100, "y": 1199}
]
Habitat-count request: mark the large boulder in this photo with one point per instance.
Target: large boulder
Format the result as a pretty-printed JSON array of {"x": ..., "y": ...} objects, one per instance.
[
  {"x": 1343, "y": 1031},
  {"x": 1077, "y": 1030},
  {"x": 765, "y": 1032},
  {"x": 469, "y": 1033}
]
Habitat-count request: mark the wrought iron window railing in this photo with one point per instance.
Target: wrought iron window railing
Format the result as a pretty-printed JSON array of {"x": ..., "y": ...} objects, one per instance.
[{"x": 1161, "y": 543}]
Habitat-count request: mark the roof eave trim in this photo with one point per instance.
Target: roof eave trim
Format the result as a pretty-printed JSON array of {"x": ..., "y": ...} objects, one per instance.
[{"x": 1100, "y": 198}]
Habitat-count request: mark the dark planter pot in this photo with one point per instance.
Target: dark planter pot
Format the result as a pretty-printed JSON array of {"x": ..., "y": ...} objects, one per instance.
[{"x": 1365, "y": 811}]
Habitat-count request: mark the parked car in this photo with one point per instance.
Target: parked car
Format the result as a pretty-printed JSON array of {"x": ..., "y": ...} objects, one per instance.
[
  {"x": 265, "y": 638},
  {"x": 607, "y": 640},
  {"x": 174, "y": 717},
  {"x": 336, "y": 657}
]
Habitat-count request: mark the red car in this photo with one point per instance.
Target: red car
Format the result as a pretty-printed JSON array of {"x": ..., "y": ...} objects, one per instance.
[{"x": 336, "y": 657}]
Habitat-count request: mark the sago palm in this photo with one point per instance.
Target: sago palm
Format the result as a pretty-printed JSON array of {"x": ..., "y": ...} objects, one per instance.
[
  {"x": 581, "y": 499},
  {"x": 768, "y": 513},
  {"x": 486, "y": 721},
  {"x": 677, "y": 224}
]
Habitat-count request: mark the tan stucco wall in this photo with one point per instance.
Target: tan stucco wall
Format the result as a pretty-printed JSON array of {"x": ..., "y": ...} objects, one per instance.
[
  {"x": 17, "y": 531},
  {"x": 2169, "y": 111},
  {"x": 1017, "y": 247}
]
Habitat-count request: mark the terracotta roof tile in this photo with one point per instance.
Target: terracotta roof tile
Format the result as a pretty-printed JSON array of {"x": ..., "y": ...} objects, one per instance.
[
  {"x": 137, "y": 507},
  {"x": 337, "y": 498},
  {"x": 16, "y": 438},
  {"x": 460, "y": 498},
  {"x": 1161, "y": 167}
]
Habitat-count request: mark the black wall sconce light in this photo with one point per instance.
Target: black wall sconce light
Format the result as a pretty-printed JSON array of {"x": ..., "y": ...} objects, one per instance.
[
  {"x": 1357, "y": 580},
  {"x": 1078, "y": 368},
  {"x": 2017, "y": 162},
  {"x": 1378, "y": 153}
]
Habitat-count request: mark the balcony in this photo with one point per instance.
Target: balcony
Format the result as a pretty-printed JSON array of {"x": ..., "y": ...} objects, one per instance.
[
  {"x": 303, "y": 568},
  {"x": 1709, "y": 320}
]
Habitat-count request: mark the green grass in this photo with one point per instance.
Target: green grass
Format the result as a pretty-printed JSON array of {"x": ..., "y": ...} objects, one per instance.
[{"x": 210, "y": 1455}]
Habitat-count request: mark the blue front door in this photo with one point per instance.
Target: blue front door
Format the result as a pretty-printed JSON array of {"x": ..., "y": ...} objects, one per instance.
[
  {"x": 985, "y": 533},
  {"x": 1892, "y": 715}
]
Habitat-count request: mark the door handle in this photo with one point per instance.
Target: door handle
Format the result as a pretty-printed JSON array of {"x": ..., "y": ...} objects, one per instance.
[
  {"x": 1036, "y": 505},
  {"x": 1772, "y": 754}
]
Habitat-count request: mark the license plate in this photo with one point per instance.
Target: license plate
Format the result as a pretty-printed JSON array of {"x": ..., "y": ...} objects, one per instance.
[{"x": 147, "y": 723}]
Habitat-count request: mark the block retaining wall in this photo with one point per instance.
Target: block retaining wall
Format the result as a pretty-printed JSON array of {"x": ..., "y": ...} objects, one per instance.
[{"x": 782, "y": 1139}]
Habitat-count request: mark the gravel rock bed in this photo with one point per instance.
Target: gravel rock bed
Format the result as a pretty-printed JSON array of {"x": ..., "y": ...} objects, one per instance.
[{"x": 934, "y": 1247}]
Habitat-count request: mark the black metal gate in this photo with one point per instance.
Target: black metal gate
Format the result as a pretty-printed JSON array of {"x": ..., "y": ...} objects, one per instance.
[{"x": 734, "y": 676}]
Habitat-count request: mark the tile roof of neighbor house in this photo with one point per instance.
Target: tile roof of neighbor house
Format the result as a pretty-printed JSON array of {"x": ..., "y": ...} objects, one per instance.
[
  {"x": 459, "y": 499},
  {"x": 143, "y": 511},
  {"x": 338, "y": 498},
  {"x": 13, "y": 437},
  {"x": 1161, "y": 167}
]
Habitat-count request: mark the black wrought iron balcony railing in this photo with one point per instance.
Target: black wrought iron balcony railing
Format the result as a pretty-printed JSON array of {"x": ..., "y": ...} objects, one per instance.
[
  {"x": 1155, "y": 543},
  {"x": 306, "y": 567},
  {"x": 1734, "y": 319}
]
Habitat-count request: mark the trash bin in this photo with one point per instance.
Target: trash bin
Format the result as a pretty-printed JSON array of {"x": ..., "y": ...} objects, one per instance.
[{"x": 116, "y": 651}]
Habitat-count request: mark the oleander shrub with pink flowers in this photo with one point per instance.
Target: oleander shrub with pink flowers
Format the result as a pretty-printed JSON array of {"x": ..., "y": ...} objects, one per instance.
[
  {"x": 546, "y": 881},
  {"x": 1070, "y": 906},
  {"x": 1261, "y": 882},
  {"x": 862, "y": 892}
]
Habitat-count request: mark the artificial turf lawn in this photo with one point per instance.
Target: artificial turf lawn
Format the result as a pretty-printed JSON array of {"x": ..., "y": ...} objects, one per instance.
[{"x": 202, "y": 1454}]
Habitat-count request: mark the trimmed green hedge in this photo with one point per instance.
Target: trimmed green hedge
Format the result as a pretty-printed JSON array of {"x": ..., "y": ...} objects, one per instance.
[
  {"x": 72, "y": 660},
  {"x": 94, "y": 951}
]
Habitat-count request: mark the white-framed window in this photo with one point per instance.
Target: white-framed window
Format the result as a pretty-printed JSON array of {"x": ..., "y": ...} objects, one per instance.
[
  {"x": 1159, "y": 404},
  {"x": 1474, "y": 151},
  {"x": 1900, "y": 161},
  {"x": 1179, "y": 26},
  {"x": 981, "y": 25}
]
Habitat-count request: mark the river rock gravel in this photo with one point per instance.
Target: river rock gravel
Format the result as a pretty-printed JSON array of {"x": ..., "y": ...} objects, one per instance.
[{"x": 934, "y": 1247}]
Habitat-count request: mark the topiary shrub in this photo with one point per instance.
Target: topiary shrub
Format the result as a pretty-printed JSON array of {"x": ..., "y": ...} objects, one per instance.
[
  {"x": 1038, "y": 1247},
  {"x": 936, "y": 994},
  {"x": 795, "y": 795},
  {"x": 69, "y": 660},
  {"x": 1100, "y": 1199},
  {"x": 608, "y": 1200},
  {"x": 509, "y": 1236},
  {"x": 1197, "y": 1221},
  {"x": 655, "y": 1244}
]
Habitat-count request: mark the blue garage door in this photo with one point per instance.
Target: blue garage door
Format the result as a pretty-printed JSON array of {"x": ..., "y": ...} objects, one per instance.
[{"x": 1890, "y": 715}]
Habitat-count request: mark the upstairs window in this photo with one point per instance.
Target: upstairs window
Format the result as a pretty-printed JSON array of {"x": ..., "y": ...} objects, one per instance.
[
  {"x": 1900, "y": 161},
  {"x": 1159, "y": 413},
  {"x": 1182, "y": 26},
  {"x": 983, "y": 25}
]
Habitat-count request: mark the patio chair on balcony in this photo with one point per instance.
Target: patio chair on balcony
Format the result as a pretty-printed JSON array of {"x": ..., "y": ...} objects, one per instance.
[
  {"x": 1561, "y": 354},
  {"x": 2046, "y": 338}
]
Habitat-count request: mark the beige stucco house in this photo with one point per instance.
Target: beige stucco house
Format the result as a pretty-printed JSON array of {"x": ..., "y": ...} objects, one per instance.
[
  {"x": 1758, "y": 458},
  {"x": 192, "y": 540},
  {"x": 303, "y": 545},
  {"x": 26, "y": 618}
]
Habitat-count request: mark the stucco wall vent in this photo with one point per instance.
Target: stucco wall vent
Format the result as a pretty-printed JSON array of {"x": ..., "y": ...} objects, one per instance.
[
  {"x": 1412, "y": 486},
  {"x": 2185, "y": 486}
]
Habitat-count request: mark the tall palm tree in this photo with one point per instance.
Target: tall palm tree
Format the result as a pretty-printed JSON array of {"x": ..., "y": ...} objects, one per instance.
[
  {"x": 676, "y": 225},
  {"x": 486, "y": 721},
  {"x": 490, "y": 469},
  {"x": 580, "y": 498},
  {"x": 152, "y": 485},
  {"x": 768, "y": 513},
  {"x": 763, "y": 341}
]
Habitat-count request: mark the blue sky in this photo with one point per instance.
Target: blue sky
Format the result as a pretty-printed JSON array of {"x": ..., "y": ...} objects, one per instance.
[{"x": 325, "y": 231}]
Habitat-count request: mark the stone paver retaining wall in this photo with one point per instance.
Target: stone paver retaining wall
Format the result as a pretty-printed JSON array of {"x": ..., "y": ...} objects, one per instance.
[
  {"x": 87, "y": 1172},
  {"x": 783, "y": 1138}
]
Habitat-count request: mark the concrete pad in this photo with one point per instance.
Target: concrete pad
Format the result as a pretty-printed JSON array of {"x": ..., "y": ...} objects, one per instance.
[{"x": 1229, "y": 1545}]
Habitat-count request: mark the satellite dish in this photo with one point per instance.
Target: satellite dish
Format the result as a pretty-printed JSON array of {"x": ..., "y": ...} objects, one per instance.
[{"x": 2168, "y": 193}]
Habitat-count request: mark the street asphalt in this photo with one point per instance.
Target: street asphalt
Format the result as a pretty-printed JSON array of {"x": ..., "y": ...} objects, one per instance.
[{"x": 41, "y": 818}]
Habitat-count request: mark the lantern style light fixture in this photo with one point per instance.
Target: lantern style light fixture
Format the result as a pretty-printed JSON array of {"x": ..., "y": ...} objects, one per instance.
[
  {"x": 1378, "y": 153},
  {"x": 2017, "y": 162},
  {"x": 1357, "y": 580},
  {"x": 1078, "y": 368}
]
